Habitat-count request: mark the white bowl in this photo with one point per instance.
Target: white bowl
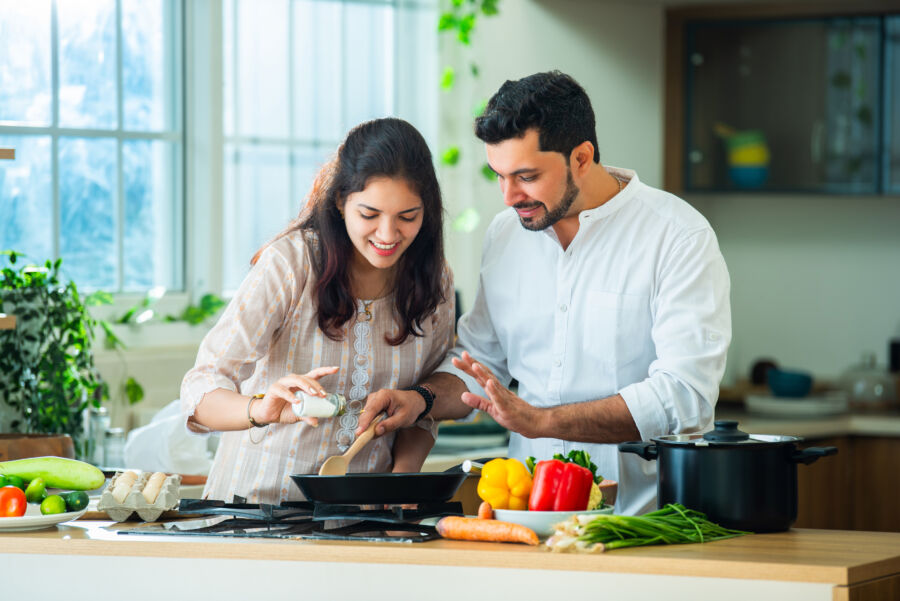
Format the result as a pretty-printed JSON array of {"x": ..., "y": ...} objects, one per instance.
[{"x": 542, "y": 522}]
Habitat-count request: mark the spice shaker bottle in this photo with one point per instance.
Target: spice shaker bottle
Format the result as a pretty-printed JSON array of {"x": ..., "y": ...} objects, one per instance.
[{"x": 310, "y": 405}]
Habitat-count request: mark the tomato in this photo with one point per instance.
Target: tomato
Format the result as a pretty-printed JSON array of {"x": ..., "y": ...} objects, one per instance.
[{"x": 12, "y": 502}]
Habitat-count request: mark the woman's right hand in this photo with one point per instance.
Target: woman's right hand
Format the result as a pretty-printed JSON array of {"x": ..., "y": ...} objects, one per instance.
[{"x": 275, "y": 406}]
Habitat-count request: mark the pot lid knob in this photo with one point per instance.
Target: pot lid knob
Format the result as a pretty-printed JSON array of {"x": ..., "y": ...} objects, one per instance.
[{"x": 726, "y": 430}]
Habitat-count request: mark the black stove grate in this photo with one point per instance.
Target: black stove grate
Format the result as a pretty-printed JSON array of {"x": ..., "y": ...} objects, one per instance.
[{"x": 305, "y": 520}]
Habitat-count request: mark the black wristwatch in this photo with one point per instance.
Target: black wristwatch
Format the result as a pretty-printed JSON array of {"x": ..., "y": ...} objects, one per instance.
[{"x": 428, "y": 395}]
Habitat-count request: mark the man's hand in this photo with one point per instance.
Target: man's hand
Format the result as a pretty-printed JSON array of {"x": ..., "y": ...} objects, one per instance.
[
  {"x": 402, "y": 407},
  {"x": 507, "y": 409}
]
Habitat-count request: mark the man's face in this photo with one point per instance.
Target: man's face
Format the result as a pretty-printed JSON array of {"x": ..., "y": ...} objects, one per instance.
[{"x": 537, "y": 184}]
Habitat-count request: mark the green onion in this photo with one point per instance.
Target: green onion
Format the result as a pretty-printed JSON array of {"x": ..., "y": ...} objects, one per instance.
[{"x": 673, "y": 524}]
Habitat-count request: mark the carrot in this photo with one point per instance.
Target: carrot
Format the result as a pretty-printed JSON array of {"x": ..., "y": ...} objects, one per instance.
[
  {"x": 485, "y": 511},
  {"x": 460, "y": 528}
]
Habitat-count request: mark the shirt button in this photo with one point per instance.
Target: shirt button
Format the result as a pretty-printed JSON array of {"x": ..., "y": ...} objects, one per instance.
[
  {"x": 557, "y": 363},
  {"x": 563, "y": 308}
]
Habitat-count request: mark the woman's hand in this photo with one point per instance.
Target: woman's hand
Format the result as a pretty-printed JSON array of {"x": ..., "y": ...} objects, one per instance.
[{"x": 275, "y": 406}]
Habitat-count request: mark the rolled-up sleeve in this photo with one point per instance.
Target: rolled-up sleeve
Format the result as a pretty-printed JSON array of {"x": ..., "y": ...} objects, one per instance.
[
  {"x": 691, "y": 332},
  {"x": 229, "y": 353}
]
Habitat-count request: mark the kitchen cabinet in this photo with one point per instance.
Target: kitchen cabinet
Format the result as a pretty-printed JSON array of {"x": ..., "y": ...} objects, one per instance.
[
  {"x": 783, "y": 98},
  {"x": 857, "y": 489},
  {"x": 88, "y": 556}
]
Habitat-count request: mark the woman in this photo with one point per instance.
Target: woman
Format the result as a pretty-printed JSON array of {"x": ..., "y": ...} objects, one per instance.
[{"x": 355, "y": 294}]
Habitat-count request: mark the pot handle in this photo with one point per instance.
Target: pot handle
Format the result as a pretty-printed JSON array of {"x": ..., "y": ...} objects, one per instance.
[
  {"x": 807, "y": 456},
  {"x": 646, "y": 450}
]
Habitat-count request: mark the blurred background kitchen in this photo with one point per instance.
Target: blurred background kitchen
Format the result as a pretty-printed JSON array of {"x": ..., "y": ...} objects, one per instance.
[{"x": 159, "y": 143}]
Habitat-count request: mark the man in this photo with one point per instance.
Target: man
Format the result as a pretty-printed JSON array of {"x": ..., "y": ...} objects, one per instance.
[{"x": 606, "y": 299}]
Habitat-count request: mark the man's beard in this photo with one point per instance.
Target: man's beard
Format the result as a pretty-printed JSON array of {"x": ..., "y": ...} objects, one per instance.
[{"x": 551, "y": 217}]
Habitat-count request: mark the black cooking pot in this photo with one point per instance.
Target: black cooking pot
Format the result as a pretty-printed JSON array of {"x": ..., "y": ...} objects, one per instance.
[{"x": 742, "y": 481}]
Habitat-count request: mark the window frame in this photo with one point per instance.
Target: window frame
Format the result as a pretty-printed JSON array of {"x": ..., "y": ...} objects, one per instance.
[{"x": 120, "y": 135}]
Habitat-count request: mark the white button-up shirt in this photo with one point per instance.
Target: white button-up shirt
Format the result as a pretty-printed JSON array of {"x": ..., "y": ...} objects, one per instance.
[{"x": 638, "y": 305}]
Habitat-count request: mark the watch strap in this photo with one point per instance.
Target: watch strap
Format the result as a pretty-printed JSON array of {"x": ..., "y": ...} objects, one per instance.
[{"x": 426, "y": 394}]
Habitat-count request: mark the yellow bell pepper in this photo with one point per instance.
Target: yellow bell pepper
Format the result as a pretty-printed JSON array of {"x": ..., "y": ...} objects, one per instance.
[{"x": 505, "y": 484}]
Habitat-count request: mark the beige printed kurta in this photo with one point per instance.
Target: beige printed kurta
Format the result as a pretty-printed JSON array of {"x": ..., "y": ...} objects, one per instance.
[{"x": 269, "y": 329}]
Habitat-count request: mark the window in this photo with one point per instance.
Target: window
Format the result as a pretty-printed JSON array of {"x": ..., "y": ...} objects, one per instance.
[
  {"x": 90, "y": 98},
  {"x": 93, "y": 99},
  {"x": 298, "y": 74}
]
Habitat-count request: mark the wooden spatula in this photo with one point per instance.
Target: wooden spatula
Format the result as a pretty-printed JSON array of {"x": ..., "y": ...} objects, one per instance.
[{"x": 338, "y": 464}]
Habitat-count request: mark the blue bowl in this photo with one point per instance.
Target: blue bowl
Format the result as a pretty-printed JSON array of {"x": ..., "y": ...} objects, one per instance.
[
  {"x": 795, "y": 384},
  {"x": 748, "y": 177}
]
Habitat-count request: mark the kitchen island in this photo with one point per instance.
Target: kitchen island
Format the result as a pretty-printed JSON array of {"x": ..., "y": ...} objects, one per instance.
[{"x": 83, "y": 557}]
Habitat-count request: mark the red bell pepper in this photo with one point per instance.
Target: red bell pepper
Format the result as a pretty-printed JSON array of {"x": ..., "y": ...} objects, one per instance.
[{"x": 560, "y": 486}]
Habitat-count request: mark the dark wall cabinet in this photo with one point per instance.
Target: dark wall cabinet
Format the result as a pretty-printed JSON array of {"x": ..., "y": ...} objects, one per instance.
[{"x": 783, "y": 103}]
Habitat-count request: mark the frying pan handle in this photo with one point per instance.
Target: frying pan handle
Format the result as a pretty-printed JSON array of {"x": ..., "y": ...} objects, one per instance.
[
  {"x": 807, "y": 456},
  {"x": 470, "y": 466},
  {"x": 645, "y": 450}
]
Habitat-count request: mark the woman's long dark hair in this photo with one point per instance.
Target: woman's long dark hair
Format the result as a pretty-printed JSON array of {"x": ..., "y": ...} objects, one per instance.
[{"x": 381, "y": 148}]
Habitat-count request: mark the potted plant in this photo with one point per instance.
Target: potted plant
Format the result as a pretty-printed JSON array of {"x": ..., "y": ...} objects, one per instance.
[{"x": 47, "y": 374}]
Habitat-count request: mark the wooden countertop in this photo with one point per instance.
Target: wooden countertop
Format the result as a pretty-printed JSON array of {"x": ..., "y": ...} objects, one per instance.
[
  {"x": 811, "y": 556},
  {"x": 844, "y": 424}
]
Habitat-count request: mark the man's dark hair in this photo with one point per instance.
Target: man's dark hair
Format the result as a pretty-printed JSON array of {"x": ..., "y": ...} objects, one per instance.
[{"x": 553, "y": 103}]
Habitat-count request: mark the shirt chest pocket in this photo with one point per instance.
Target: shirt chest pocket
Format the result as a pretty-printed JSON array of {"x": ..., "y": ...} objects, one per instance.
[{"x": 617, "y": 328}]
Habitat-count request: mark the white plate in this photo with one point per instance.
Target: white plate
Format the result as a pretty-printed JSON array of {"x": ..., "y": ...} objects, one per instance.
[
  {"x": 34, "y": 520},
  {"x": 542, "y": 522},
  {"x": 813, "y": 406}
]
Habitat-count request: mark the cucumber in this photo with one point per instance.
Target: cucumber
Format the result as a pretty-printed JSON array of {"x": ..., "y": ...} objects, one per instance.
[{"x": 57, "y": 472}]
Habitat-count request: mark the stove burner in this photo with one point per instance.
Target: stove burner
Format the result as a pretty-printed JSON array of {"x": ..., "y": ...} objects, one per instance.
[{"x": 305, "y": 520}]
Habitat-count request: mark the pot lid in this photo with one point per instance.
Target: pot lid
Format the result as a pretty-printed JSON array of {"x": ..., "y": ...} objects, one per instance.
[{"x": 725, "y": 432}]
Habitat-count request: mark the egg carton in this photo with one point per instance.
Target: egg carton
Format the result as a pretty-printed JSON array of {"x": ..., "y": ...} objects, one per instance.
[{"x": 134, "y": 501}]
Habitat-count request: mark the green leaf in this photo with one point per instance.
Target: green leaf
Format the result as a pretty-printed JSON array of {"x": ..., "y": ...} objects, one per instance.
[
  {"x": 134, "y": 392},
  {"x": 466, "y": 221},
  {"x": 864, "y": 115},
  {"x": 95, "y": 299},
  {"x": 128, "y": 315},
  {"x": 446, "y": 22},
  {"x": 112, "y": 341},
  {"x": 447, "y": 78},
  {"x": 211, "y": 304},
  {"x": 480, "y": 108},
  {"x": 465, "y": 27},
  {"x": 841, "y": 79},
  {"x": 474, "y": 70},
  {"x": 488, "y": 173},
  {"x": 490, "y": 7},
  {"x": 450, "y": 156}
]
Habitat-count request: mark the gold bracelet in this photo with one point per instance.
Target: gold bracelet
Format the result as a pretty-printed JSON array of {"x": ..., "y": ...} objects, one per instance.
[{"x": 253, "y": 422}]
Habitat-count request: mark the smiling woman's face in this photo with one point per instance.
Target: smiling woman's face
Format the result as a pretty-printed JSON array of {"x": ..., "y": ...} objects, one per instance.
[{"x": 383, "y": 220}]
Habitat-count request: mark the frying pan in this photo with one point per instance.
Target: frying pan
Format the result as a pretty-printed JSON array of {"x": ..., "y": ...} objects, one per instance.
[{"x": 386, "y": 489}]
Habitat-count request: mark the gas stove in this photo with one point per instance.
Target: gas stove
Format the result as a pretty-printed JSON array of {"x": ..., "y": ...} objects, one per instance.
[{"x": 305, "y": 520}]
